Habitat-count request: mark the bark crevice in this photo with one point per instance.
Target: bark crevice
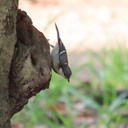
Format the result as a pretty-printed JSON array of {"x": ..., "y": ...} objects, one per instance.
[{"x": 30, "y": 70}]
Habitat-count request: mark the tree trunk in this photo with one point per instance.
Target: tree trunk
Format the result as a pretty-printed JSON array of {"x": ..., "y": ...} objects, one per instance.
[
  {"x": 25, "y": 62},
  {"x": 8, "y": 10}
]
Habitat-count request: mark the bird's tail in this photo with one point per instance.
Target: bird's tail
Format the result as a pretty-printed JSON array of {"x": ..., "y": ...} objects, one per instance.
[{"x": 58, "y": 34}]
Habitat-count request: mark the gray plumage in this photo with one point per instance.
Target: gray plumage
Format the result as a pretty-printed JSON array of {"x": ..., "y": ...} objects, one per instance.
[{"x": 60, "y": 59}]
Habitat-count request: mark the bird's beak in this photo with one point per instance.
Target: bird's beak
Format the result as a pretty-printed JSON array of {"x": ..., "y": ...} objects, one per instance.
[{"x": 68, "y": 80}]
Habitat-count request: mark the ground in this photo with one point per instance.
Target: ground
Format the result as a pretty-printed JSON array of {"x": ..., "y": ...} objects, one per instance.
[{"x": 88, "y": 23}]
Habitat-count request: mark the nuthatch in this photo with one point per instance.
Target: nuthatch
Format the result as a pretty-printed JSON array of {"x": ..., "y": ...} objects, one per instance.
[{"x": 60, "y": 59}]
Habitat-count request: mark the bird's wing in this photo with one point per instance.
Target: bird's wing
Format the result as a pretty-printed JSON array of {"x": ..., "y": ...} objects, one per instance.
[
  {"x": 62, "y": 50},
  {"x": 55, "y": 57}
]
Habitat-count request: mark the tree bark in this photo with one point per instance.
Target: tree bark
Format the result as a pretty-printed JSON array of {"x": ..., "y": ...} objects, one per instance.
[
  {"x": 25, "y": 62},
  {"x": 8, "y": 10}
]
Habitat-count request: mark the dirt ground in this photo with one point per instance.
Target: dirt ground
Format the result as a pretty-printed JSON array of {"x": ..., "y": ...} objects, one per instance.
[{"x": 91, "y": 24}]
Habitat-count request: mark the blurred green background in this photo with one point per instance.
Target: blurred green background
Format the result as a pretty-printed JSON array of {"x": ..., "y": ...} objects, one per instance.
[{"x": 95, "y": 35}]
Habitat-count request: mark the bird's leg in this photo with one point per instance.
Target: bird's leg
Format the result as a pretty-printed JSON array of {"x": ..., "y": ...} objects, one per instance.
[{"x": 50, "y": 44}]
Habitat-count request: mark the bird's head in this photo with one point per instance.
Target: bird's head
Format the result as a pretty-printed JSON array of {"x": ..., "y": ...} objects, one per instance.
[{"x": 67, "y": 72}]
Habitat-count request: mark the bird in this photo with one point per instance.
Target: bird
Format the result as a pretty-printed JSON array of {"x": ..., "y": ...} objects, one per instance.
[{"x": 60, "y": 58}]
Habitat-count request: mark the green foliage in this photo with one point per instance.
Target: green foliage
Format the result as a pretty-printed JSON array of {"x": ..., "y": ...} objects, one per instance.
[{"x": 113, "y": 75}]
